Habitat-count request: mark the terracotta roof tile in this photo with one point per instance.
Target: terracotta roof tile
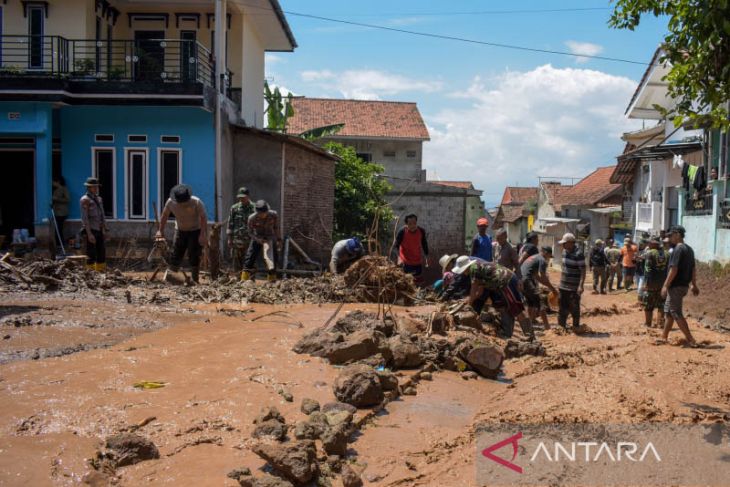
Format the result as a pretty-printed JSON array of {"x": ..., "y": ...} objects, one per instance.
[
  {"x": 511, "y": 213},
  {"x": 455, "y": 184},
  {"x": 517, "y": 194},
  {"x": 592, "y": 189},
  {"x": 362, "y": 118}
]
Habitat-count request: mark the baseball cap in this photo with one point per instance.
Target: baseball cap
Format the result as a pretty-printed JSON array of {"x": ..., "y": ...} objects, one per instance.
[
  {"x": 548, "y": 249},
  {"x": 262, "y": 206},
  {"x": 568, "y": 237},
  {"x": 677, "y": 229},
  {"x": 599, "y": 241},
  {"x": 242, "y": 191}
]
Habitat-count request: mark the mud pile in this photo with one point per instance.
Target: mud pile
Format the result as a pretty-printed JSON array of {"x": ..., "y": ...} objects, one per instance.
[
  {"x": 66, "y": 275},
  {"x": 323, "y": 289},
  {"x": 362, "y": 338},
  {"x": 374, "y": 279}
]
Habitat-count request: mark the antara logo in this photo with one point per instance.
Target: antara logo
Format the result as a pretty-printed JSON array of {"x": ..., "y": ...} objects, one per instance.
[
  {"x": 513, "y": 440},
  {"x": 583, "y": 451}
]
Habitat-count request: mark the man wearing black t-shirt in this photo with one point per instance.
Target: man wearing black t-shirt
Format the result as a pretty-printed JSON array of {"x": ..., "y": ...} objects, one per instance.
[{"x": 682, "y": 273}]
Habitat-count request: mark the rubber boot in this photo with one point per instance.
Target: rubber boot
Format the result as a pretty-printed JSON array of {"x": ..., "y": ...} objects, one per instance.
[
  {"x": 245, "y": 276},
  {"x": 271, "y": 277},
  {"x": 195, "y": 274},
  {"x": 101, "y": 267},
  {"x": 91, "y": 267}
]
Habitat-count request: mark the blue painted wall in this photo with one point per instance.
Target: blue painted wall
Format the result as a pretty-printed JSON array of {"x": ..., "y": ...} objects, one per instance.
[
  {"x": 35, "y": 120},
  {"x": 193, "y": 125}
]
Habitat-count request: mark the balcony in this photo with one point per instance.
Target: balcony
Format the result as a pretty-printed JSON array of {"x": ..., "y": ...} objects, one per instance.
[
  {"x": 53, "y": 68},
  {"x": 649, "y": 217},
  {"x": 698, "y": 203}
]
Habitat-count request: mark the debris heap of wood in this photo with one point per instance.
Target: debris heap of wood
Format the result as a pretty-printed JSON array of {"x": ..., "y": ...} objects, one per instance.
[
  {"x": 377, "y": 280},
  {"x": 50, "y": 274}
]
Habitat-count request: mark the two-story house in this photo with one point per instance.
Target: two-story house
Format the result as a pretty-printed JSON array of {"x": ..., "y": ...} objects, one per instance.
[
  {"x": 674, "y": 175},
  {"x": 127, "y": 91},
  {"x": 392, "y": 134},
  {"x": 648, "y": 168}
]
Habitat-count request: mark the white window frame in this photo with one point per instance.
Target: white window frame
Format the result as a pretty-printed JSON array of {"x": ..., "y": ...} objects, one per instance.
[
  {"x": 179, "y": 139},
  {"x": 128, "y": 187},
  {"x": 104, "y": 141},
  {"x": 162, "y": 198},
  {"x": 130, "y": 141},
  {"x": 28, "y": 9},
  {"x": 94, "y": 150}
]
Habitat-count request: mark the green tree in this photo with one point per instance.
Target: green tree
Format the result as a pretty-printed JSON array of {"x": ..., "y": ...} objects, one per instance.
[
  {"x": 360, "y": 206},
  {"x": 697, "y": 46},
  {"x": 278, "y": 109}
]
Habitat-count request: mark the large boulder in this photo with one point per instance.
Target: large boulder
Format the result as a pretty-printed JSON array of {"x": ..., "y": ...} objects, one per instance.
[
  {"x": 334, "y": 439},
  {"x": 358, "y": 385},
  {"x": 486, "y": 360},
  {"x": 404, "y": 353},
  {"x": 295, "y": 460},
  {"x": 245, "y": 478},
  {"x": 357, "y": 346}
]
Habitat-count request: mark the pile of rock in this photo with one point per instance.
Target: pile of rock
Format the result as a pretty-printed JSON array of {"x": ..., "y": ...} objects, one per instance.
[
  {"x": 315, "y": 454},
  {"x": 362, "y": 338}
]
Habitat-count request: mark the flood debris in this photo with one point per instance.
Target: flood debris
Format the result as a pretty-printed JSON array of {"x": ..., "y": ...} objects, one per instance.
[
  {"x": 362, "y": 338},
  {"x": 124, "y": 449},
  {"x": 46, "y": 274},
  {"x": 374, "y": 279}
]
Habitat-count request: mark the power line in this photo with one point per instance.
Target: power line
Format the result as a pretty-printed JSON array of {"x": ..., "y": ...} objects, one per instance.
[
  {"x": 463, "y": 39},
  {"x": 479, "y": 12},
  {"x": 454, "y": 38}
]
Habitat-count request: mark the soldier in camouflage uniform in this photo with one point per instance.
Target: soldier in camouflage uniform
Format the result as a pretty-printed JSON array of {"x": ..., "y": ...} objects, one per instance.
[
  {"x": 237, "y": 231},
  {"x": 501, "y": 285}
]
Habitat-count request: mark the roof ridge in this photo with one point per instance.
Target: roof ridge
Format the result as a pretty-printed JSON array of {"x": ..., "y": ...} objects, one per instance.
[{"x": 354, "y": 100}]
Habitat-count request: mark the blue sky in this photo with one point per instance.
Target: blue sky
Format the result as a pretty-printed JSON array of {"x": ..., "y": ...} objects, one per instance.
[{"x": 496, "y": 116}]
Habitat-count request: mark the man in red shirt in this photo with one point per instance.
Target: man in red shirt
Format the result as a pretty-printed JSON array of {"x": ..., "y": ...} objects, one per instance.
[{"x": 412, "y": 247}]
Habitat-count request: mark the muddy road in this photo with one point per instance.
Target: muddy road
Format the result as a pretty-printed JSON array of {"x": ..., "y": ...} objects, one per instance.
[{"x": 69, "y": 366}]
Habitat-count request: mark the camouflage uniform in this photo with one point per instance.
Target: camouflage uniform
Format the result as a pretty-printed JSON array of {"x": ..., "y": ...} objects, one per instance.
[{"x": 238, "y": 232}]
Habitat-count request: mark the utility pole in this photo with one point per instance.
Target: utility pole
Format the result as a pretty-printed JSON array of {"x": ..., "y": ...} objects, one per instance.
[{"x": 220, "y": 85}]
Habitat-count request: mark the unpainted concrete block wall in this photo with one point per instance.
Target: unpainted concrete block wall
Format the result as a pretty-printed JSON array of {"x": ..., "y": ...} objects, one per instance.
[{"x": 441, "y": 216}]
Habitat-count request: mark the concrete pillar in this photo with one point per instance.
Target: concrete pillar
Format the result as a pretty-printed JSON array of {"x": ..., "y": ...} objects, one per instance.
[{"x": 43, "y": 176}]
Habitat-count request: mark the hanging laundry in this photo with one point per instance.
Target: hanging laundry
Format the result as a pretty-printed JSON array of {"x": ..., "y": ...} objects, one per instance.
[{"x": 700, "y": 179}]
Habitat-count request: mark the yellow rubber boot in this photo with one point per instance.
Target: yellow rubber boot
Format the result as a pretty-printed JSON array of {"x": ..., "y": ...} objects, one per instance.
[
  {"x": 245, "y": 276},
  {"x": 91, "y": 267},
  {"x": 101, "y": 267},
  {"x": 271, "y": 277}
]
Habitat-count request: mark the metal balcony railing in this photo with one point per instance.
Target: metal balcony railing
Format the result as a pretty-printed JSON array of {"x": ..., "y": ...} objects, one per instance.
[
  {"x": 149, "y": 60},
  {"x": 699, "y": 203}
]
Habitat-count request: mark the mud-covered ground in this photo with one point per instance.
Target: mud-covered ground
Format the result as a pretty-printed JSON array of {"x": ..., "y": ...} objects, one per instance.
[{"x": 70, "y": 364}]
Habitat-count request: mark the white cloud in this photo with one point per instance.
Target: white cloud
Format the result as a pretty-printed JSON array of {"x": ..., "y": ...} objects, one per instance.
[
  {"x": 368, "y": 84},
  {"x": 274, "y": 59},
  {"x": 585, "y": 48},
  {"x": 521, "y": 125}
]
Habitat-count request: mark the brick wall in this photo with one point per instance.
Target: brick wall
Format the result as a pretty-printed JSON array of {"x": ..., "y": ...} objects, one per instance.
[{"x": 309, "y": 196}]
